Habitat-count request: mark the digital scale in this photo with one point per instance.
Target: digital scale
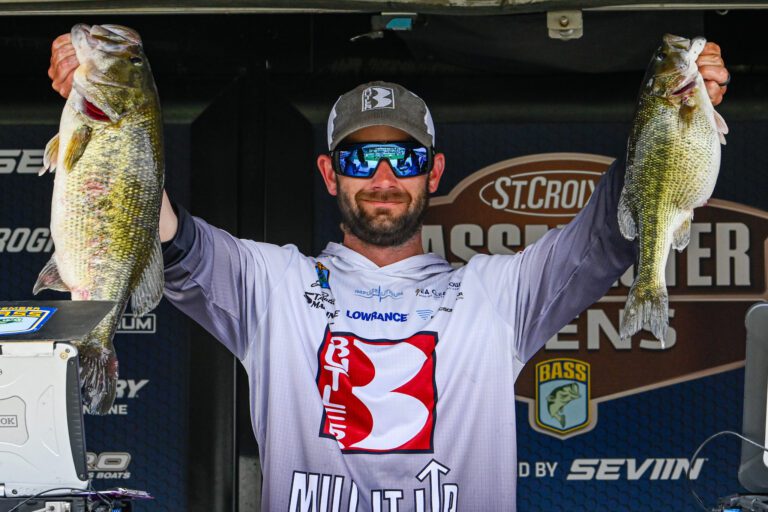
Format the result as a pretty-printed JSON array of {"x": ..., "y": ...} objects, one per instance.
[{"x": 42, "y": 436}]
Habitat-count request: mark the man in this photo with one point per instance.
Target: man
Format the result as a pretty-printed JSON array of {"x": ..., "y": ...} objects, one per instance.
[{"x": 361, "y": 404}]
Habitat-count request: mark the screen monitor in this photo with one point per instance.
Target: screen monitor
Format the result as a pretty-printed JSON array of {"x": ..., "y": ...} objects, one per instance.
[{"x": 753, "y": 471}]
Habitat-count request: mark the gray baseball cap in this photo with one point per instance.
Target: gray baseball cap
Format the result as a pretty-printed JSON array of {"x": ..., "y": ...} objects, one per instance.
[{"x": 380, "y": 103}]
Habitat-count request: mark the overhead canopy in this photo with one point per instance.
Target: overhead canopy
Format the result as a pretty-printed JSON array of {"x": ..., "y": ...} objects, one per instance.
[{"x": 317, "y": 6}]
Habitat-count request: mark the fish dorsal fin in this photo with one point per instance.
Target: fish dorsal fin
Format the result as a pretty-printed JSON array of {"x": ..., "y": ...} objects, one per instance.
[
  {"x": 49, "y": 278},
  {"x": 722, "y": 128},
  {"x": 51, "y": 156},
  {"x": 76, "y": 146},
  {"x": 149, "y": 291}
]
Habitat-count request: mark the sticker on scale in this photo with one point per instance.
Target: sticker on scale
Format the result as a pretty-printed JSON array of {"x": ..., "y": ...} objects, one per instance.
[{"x": 23, "y": 319}]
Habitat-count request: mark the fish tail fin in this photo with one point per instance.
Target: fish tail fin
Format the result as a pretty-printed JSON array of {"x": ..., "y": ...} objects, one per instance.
[
  {"x": 627, "y": 224},
  {"x": 646, "y": 309},
  {"x": 98, "y": 376}
]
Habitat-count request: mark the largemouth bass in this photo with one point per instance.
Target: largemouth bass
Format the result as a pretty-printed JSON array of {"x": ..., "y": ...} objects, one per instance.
[
  {"x": 559, "y": 398},
  {"x": 108, "y": 158},
  {"x": 673, "y": 157}
]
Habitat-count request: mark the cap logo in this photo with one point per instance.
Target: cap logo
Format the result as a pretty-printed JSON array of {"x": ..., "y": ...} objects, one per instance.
[{"x": 378, "y": 97}]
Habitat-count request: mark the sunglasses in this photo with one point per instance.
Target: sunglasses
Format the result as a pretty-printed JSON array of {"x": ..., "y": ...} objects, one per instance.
[{"x": 361, "y": 160}]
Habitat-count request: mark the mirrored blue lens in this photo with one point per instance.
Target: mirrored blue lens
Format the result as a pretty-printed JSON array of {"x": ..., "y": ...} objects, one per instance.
[{"x": 362, "y": 160}]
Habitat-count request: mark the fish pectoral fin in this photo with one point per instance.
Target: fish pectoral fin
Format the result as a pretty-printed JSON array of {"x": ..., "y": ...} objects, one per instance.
[
  {"x": 51, "y": 156},
  {"x": 49, "y": 278},
  {"x": 149, "y": 291},
  {"x": 682, "y": 234},
  {"x": 722, "y": 128},
  {"x": 76, "y": 146},
  {"x": 627, "y": 224}
]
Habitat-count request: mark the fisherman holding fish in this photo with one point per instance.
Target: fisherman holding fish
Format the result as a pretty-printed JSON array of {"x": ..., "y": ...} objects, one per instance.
[{"x": 354, "y": 401}]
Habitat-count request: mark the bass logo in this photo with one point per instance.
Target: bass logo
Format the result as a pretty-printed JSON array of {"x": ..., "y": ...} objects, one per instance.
[
  {"x": 379, "y": 396},
  {"x": 563, "y": 397}
]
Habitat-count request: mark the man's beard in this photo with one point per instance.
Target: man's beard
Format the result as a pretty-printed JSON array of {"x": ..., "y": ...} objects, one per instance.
[{"x": 383, "y": 229}]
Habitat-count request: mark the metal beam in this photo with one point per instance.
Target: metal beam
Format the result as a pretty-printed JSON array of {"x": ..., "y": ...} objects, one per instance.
[{"x": 463, "y": 7}]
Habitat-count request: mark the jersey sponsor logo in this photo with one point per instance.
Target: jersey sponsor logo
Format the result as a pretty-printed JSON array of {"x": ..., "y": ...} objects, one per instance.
[
  {"x": 562, "y": 397},
  {"x": 378, "y": 97},
  {"x": 430, "y": 293},
  {"x": 371, "y": 316},
  {"x": 313, "y": 492},
  {"x": 319, "y": 300},
  {"x": 425, "y": 314},
  {"x": 378, "y": 293},
  {"x": 21, "y": 161},
  {"x": 323, "y": 276},
  {"x": 379, "y": 396}
]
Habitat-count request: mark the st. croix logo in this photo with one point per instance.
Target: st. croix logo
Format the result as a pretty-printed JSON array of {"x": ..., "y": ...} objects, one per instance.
[{"x": 563, "y": 407}]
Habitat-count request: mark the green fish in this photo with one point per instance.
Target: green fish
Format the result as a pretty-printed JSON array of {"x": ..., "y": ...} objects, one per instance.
[
  {"x": 559, "y": 398},
  {"x": 673, "y": 158},
  {"x": 108, "y": 158}
]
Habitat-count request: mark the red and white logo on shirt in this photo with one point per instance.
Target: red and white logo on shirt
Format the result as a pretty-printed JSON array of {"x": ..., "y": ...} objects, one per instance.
[{"x": 379, "y": 396}]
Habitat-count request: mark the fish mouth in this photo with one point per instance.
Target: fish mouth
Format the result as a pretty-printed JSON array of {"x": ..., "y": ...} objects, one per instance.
[
  {"x": 684, "y": 89},
  {"x": 94, "y": 112},
  {"x": 87, "y": 39},
  {"x": 90, "y": 105}
]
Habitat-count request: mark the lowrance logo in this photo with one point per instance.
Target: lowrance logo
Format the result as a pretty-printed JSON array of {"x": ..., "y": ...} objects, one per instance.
[
  {"x": 550, "y": 193},
  {"x": 133, "y": 324},
  {"x": 34, "y": 240},
  {"x": 22, "y": 161}
]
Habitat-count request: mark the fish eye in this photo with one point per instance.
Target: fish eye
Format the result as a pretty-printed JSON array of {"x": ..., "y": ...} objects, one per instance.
[
  {"x": 136, "y": 61},
  {"x": 661, "y": 56}
]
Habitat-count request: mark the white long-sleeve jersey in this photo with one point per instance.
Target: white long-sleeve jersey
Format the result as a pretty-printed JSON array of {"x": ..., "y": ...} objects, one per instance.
[{"x": 392, "y": 388}]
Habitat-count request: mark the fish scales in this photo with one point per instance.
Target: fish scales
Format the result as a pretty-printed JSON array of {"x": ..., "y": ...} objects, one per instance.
[
  {"x": 108, "y": 158},
  {"x": 673, "y": 158}
]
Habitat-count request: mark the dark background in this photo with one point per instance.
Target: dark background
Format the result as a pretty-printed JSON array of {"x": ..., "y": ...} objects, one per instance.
[{"x": 245, "y": 101}]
